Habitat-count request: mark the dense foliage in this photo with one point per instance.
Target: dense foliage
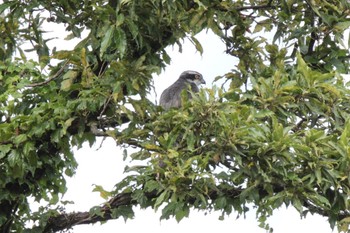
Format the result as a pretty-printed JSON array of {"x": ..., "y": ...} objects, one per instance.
[{"x": 279, "y": 135}]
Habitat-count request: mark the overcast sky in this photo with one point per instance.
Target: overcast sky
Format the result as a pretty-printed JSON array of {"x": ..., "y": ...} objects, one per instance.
[{"x": 105, "y": 166}]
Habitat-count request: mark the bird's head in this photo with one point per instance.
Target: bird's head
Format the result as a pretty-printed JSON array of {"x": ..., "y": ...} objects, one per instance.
[{"x": 192, "y": 77}]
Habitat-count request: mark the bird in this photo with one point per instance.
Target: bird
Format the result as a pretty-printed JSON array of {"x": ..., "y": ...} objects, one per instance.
[{"x": 189, "y": 80}]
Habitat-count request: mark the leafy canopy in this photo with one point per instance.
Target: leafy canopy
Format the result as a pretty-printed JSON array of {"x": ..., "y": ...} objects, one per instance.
[{"x": 279, "y": 135}]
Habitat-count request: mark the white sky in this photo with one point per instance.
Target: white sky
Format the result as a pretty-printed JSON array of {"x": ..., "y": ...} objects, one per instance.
[{"x": 105, "y": 167}]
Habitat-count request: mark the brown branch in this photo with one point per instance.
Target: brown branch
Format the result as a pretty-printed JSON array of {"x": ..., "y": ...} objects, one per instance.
[
  {"x": 314, "y": 209},
  {"x": 58, "y": 73},
  {"x": 297, "y": 127},
  {"x": 112, "y": 122},
  {"x": 97, "y": 126},
  {"x": 6, "y": 143},
  {"x": 66, "y": 221}
]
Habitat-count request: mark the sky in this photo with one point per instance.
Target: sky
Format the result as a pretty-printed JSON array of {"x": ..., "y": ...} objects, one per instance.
[{"x": 103, "y": 165}]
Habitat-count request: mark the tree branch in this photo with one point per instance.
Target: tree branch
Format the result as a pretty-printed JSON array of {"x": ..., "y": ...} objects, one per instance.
[
  {"x": 66, "y": 221},
  {"x": 58, "y": 73}
]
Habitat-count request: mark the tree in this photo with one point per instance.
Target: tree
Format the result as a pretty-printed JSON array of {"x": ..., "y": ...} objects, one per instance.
[{"x": 278, "y": 135}]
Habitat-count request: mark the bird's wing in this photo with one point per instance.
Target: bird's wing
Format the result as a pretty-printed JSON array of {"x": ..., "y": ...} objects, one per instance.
[{"x": 171, "y": 97}]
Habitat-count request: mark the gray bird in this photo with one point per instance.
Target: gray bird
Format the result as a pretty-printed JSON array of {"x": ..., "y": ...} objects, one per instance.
[{"x": 188, "y": 80}]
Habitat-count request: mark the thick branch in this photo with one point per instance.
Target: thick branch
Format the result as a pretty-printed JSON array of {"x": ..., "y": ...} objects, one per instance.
[{"x": 67, "y": 221}]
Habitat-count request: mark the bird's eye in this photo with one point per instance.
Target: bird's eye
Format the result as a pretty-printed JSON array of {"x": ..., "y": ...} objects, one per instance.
[{"x": 196, "y": 76}]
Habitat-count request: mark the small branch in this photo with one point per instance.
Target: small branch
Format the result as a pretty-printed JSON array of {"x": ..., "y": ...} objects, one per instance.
[
  {"x": 112, "y": 122},
  {"x": 313, "y": 38},
  {"x": 103, "y": 111},
  {"x": 105, "y": 106},
  {"x": 58, "y": 73},
  {"x": 97, "y": 129},
  {"x": 6, "y": 143},
  {"x": 313, "y": 209},
  {"x": 297, "y": 127}
]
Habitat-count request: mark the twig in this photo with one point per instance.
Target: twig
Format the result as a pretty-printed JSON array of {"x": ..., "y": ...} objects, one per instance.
[
  {"x": 296, "y": 128},
  {"x": 59, "y": 72},
  {"x": 5, "y": 143},
  {"x": 103, "y": 111}
]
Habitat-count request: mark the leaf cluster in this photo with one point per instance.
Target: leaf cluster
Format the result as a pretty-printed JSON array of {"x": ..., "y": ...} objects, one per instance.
[
  {"x": 278, "y": 135},
  {"x": 278, "y": 143}
]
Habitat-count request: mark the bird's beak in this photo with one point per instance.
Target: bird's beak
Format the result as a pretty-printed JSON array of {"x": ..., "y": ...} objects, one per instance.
[{"x": 202, "y": 81}]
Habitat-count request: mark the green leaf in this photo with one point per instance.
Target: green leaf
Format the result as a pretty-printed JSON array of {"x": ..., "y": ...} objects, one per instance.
[
  {"x": 303, "y": 68},
  {"x": 197, "y": 44},
  {"x": 344, "y": 137},
  {"x": 120, "y": 41},
  {"x": 196, "y": 19},
  {"x": 152, "y": 185},
  {"x": 125, "y": 154},
  {"x": 258, "y": 28},
  {"x": 342, "y": 26},
  {"x": 181, "y": 213},
  {"x": 20, "y": 138},
  {"x": 62, "y": 54},
  {"x": 220, "y": 203},
  {"x": 166, "y": 57},
  {"x": 319, "y": 199},
  {"x": 120, "y": 20},
  {"x": 132, "y": 28},
  {"x": 43, "y": 53},
  {"x": 67, "y": 124},
  {"x": 264, "y": 113},
  {"x": 96, "y": 211},
  {"x": 344, "y": 225},
  {"x": 5, "y": 5},
  {"x": 200, "y": 4},
  {"x": 123, "y": 211},
  {"x": 69, "y": 172},
  {"x": 215, "y": 27},
  {"x": 162, "y": 198},
  {"x": 297, "y": 204},
  {"x": 28, "y": 146},
  {"x": 135, "y": 168},
  {"x": 54, "y": 199},
  {"x": 107, "y": 40},
  {"x": 103, "y": 193},
  {"x": 168, "y": 210},
  {"x": 4, "y": 149},
  {"x": 68, "y": 80}
]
